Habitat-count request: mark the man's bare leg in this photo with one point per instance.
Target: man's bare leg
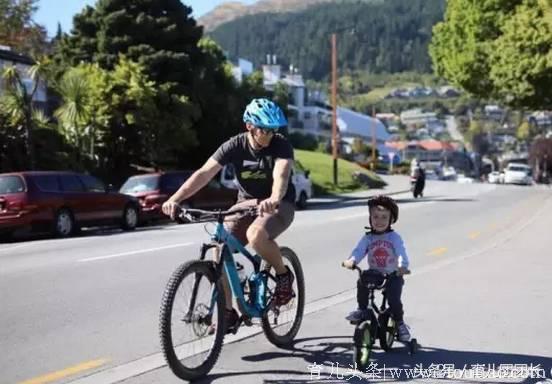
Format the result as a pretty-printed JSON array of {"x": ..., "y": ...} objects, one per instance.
[{"x": 262, "y": 244}]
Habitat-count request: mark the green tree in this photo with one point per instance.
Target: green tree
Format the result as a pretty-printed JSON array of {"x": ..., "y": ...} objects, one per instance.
[
  {"x": 191, "y": 74},
  {"x": 522, "y": 57},
  {"x": 74, "y": 114},
  {"x": 17, "y": 28},
  {"x": 121, "y": 117},
  {"x": 496, "y": 49},
  {"x": 523, "y": 131},
  {"x": 17, "y": 103},
  {"x": 158, "y": 34}
]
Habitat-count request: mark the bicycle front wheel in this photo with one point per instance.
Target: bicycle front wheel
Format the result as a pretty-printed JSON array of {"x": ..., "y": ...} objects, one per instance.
[
  {"x": 280, "y": 325},
  {"x": 387, "y": 330},
  {"x": 363, "y": 343},
  {"x": 191, "y": 320}
]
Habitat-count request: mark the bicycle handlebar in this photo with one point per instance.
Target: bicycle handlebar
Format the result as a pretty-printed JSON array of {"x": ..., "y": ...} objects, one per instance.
[
  {"x": 357, "y": 268},
  {"x": 196, "y": 215}
]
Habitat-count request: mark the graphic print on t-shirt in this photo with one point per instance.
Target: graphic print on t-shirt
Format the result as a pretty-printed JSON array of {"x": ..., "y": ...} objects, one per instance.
[
  {"x": 380, "y": 253},
  {"x": 255, "y": 170}
]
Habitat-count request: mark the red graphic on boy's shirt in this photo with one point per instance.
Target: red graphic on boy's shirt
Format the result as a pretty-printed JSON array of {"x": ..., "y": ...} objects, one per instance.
[{"x": 380, "y": 256}]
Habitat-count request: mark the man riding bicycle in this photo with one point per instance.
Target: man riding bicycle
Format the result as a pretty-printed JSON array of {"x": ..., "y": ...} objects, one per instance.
[{"x": 263, "y": 160}]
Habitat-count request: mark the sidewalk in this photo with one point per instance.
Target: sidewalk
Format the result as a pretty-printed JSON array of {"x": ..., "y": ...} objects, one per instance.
[{"x": 395, "y": 184}]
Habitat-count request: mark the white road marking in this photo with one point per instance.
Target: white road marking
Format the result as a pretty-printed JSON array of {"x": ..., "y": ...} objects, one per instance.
[{"x": 131, "y": 253}]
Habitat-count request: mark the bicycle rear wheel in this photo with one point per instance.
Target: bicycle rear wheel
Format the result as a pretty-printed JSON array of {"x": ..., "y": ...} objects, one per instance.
[
  {"x": 280, "y": 325},
  {"x": 191, "y": 320}
]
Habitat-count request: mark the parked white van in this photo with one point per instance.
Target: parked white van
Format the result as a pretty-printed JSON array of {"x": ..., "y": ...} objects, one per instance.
[
  {"x": 299, "y": 178},
  {"x": 518, "y": 173}
]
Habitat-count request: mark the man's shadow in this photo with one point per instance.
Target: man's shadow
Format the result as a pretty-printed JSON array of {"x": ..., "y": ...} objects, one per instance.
[{"x": 330, "y": 360}]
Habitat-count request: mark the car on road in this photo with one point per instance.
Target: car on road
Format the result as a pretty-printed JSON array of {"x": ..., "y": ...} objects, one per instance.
[
  {"x": 463, "y": 179},
  {"x": 518, "y": 173},
  {"x": 153, "y": 189},
  {"x": 495, "y": 177},
  {"x": 61, "y": 203},
  {"x": 431, "y": 175},
  {"x": 448, "y": 173}
]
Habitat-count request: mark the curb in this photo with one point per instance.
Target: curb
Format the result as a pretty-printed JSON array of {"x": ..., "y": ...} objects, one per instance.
[{"x": 345, "y": 196}]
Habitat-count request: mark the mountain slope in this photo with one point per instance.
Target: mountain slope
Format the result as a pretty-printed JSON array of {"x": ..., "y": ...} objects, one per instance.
[
  {"x": 384, "y": 36},
  {"x": 232, "y": 10}
]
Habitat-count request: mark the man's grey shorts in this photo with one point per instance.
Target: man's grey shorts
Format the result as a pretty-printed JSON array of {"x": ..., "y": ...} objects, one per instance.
[{"x": 274, "y": 223}]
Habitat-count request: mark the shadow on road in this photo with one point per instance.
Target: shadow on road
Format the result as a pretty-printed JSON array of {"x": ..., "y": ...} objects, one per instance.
[
  {"x": 329, "y": 360},
  {"x": 345, "y": 202}
]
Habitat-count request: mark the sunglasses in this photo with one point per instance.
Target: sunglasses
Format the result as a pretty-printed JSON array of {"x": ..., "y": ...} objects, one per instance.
[{"x": 266, "y": 132}]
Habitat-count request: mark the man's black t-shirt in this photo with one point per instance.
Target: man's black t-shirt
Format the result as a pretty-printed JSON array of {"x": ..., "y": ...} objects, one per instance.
[{"x": 254, "y": 168}]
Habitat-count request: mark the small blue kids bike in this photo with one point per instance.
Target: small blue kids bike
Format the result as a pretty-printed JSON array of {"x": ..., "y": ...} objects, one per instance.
[{"x": 192, "y": 317}]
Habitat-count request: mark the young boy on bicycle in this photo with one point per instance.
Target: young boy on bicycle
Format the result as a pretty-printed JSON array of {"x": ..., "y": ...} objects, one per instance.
[{"x": 386, "y": 253}]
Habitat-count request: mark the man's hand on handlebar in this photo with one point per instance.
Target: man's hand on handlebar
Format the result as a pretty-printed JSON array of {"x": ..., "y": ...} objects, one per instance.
[
  {"x": 267, "y": 206},
  {"x": 170, "y": 208}
]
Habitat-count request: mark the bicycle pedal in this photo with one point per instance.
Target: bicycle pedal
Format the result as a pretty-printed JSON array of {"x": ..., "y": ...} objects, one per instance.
[{"x": 246, "y": 321}]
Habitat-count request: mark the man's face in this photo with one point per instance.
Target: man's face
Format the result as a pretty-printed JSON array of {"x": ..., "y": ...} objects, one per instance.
[{"x": 261, "y": 136}]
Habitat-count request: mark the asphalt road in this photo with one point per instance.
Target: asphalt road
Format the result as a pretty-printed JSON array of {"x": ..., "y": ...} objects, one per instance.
[{"x": 86, "y": 309}]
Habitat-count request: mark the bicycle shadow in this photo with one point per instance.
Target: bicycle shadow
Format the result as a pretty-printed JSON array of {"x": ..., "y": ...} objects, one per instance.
[{"x": 330, "y": 360}]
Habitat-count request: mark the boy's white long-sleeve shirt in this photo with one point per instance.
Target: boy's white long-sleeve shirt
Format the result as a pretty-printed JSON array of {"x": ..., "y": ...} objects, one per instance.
[{"x": 385, "y": 252}]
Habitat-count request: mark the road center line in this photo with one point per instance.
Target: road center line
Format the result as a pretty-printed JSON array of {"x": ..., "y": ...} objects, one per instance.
[
  {"x": 58, "y": 375},
  {"x": 130, "y": 253},
  {"x": 474, "y": 235},
  {"x": 438, "y": 251}
]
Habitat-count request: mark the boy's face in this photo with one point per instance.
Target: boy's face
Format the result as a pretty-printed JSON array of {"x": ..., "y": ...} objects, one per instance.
[{"x": 381, "y": 218}]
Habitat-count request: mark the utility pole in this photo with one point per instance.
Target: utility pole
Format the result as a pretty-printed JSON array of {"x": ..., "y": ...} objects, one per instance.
[
  {"x": 373, "y": 163},
  {"x": 334, "y": 107}
]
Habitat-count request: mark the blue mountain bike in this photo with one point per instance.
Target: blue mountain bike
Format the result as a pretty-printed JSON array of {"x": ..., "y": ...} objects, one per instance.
[{"x": 192, "y": 325}]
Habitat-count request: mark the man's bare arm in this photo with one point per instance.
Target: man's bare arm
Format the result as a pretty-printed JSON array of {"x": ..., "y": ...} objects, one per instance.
[{"x": 281, "y": 175}]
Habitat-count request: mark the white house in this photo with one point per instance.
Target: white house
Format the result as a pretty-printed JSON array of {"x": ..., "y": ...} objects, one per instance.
[
  {"x": 417, "y": 116},
  {"x": 241, "y": 69},
  {"x": 314, "y": 115}
]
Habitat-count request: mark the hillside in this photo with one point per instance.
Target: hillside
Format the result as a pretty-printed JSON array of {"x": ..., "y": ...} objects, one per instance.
[
  {"x": 377, "y": 37},
  {"x": 320, "y": 166},
  {"x": 232, "y": 10}
]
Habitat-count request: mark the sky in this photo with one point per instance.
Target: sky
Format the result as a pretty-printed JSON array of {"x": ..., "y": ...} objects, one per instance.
[{"x": 50, "y": 12}]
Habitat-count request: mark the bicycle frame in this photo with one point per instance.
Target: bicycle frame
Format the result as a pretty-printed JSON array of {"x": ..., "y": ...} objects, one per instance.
[{"x": 230, "y": 245}]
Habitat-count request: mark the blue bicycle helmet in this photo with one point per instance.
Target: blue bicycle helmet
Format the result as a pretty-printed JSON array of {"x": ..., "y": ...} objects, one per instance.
[{"x": 264, "y": 113}]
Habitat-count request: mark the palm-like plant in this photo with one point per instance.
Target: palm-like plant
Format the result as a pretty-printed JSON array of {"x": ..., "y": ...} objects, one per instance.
[
  {"x": 18, "y": 100},
  {"x": 74, "y": 113}
]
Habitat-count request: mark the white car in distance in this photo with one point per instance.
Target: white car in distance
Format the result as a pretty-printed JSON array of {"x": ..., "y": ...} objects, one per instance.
[{"x": 518, "y": 173}]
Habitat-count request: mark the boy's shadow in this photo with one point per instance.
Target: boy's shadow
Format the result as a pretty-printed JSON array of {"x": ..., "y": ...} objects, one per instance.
[{"x": 330, "y": 360}]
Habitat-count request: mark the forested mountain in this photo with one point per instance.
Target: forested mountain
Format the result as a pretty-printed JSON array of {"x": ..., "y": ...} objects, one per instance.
[
  {"x": 231, "y": 10},
  {"x": 389, "y": 36}
]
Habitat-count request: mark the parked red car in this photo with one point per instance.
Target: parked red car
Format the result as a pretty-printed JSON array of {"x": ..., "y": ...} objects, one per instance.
[
  {"x": 61, "y": 202},
  {"x": 153, "y": 189}
]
